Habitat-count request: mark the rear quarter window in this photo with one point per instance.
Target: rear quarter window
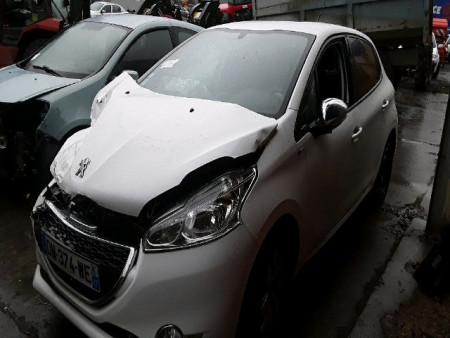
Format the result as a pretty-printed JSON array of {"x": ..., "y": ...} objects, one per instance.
[{"x": 366, "y": 69}]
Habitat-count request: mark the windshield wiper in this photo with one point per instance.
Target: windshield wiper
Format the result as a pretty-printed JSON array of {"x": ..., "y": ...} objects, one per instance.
[{"x": 47, "y": 69}]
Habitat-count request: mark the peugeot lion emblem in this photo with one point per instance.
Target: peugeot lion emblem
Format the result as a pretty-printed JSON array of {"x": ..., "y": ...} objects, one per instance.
[{"x": 83, "y": 166}]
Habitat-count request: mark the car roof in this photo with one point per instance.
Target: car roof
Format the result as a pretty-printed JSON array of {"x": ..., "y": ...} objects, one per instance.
[
  {"x": 314, "y": 28},
  {"x": 128, "y": 20}
]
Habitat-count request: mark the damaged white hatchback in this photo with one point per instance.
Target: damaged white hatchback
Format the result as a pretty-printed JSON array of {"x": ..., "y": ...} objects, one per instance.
[{"x": 199, "y": 190}]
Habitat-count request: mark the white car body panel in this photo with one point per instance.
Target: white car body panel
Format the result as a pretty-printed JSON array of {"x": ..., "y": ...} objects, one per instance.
[
  {"x": 209, "y": 300},
  {"x": 142, "y": 144},
  {"x": 169, "y": 139},
  {"x": 435, "y": 58}
]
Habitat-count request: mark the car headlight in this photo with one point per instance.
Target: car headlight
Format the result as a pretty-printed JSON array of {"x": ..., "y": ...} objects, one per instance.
[{"x": 209, "y": 214}]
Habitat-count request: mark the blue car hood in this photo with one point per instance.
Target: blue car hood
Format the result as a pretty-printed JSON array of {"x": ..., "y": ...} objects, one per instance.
[{"x": 17, "y": 84}]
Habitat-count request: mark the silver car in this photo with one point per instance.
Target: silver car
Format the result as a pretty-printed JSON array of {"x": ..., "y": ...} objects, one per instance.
[{"x": 47, "y": 97}]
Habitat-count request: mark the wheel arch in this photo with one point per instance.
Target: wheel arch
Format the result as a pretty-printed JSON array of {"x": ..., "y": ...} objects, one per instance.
[
  {"x": 285, "y": 231},
  {"x": 393, "y": 138},
  {"x": 285, "y": 228}
]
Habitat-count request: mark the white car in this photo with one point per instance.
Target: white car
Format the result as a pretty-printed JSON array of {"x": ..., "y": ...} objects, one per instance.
[
  {"x": 435, "y": 58},
  {"x": 198, "y": 191},
  {"x": 106, "y": 8},
  {"x": 447, "y": 42}
]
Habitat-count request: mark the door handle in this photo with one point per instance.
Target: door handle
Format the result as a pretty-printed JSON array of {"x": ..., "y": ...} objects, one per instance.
[
  {"x": 356, "y": 133},
  {"x": 385, "y": 104}
]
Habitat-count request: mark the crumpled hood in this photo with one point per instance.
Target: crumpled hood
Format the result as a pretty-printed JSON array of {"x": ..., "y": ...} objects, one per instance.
[
  {"x": 145, "y": 143},
  {"x": 17, "y": 84}
]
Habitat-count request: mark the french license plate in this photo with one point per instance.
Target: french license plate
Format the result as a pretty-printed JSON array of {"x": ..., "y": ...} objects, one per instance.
[{"x": 75, "y": 266}]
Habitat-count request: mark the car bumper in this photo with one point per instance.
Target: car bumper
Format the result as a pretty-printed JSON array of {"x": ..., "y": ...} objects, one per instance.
[{"x": 197, "y": 289}]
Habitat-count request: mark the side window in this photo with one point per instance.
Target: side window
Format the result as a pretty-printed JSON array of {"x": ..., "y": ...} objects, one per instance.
[
  {"x": 116, "y": 9},
  {"x": 145, "y": 51},
  {"x": 331, "y": 75},
  {"x": 328, "y": 80},
  {"x": 366, "y": 70},
  {"x": 106, "y": 9},
  {"x": 182, "y": 34}
]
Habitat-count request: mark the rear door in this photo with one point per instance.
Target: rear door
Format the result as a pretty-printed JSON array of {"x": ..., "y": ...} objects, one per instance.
[
  {"x": 107, "y": 9},
  {"x": 371, "y": 97}
]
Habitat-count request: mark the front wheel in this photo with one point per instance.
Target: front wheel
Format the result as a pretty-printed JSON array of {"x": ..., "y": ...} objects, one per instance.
[{"x": 267, "y": 291}]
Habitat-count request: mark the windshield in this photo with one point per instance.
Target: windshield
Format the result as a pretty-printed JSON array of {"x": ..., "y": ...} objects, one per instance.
[
  {"x": 254, "y": 69},
  {"x": 96, "y": 6},
  {"x": 80, "y": 50}
]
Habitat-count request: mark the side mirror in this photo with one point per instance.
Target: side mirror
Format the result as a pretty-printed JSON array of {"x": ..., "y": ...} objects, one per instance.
[
  {"x": 134, "y": 74},
  {"x": 334, "y": 112},
  {"x": 102, "y": 11}
]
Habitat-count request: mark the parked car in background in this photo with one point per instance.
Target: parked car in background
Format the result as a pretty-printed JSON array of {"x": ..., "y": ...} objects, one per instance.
[
  {"x": 448, "y": 48},
  {"x": 440, "y": 27},
  {"x": 236, "y": 10},
  {"x": 198, "y": 191},
  {"x": 106, "y": 8},
  {"x": 435, "y": 58},
  {"x": 48, "y": 97}
]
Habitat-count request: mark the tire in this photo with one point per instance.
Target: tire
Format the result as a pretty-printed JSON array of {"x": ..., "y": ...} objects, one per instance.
[
  {"x": 267, "y": 290},
  {"x": 435, "y": 74},
  {"x": 381, "y": 185}
]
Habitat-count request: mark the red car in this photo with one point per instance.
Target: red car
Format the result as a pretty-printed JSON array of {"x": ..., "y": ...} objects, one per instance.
[
  {"x": 236, "y": 10},
  {"x": 24, "y": 28}
]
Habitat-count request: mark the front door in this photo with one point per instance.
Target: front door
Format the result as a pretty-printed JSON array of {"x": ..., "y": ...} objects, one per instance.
[{"x": 330, "y": 158}]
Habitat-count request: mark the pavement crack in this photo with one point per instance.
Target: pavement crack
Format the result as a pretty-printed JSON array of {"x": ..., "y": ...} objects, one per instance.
[{"x": 419, "y": 142}]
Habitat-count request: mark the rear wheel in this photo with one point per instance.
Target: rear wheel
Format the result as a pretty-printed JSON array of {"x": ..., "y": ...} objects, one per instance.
[
  {"x": 435, "y": 73},
  {"x": 267, "y": 290},
  {"x": 381, "y": 185}
]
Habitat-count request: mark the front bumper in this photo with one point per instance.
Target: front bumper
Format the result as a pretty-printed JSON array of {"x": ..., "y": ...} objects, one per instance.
[{"x": 198, "y": 289}]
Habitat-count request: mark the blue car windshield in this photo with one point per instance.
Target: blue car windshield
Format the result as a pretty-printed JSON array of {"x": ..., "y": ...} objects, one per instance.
[
  {"x": 254, "y": 69},
  {"x": 79, "y": 51}
]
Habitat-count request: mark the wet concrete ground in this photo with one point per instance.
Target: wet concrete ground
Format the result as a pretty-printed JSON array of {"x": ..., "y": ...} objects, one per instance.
[{"x": 332, "y": 288}]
